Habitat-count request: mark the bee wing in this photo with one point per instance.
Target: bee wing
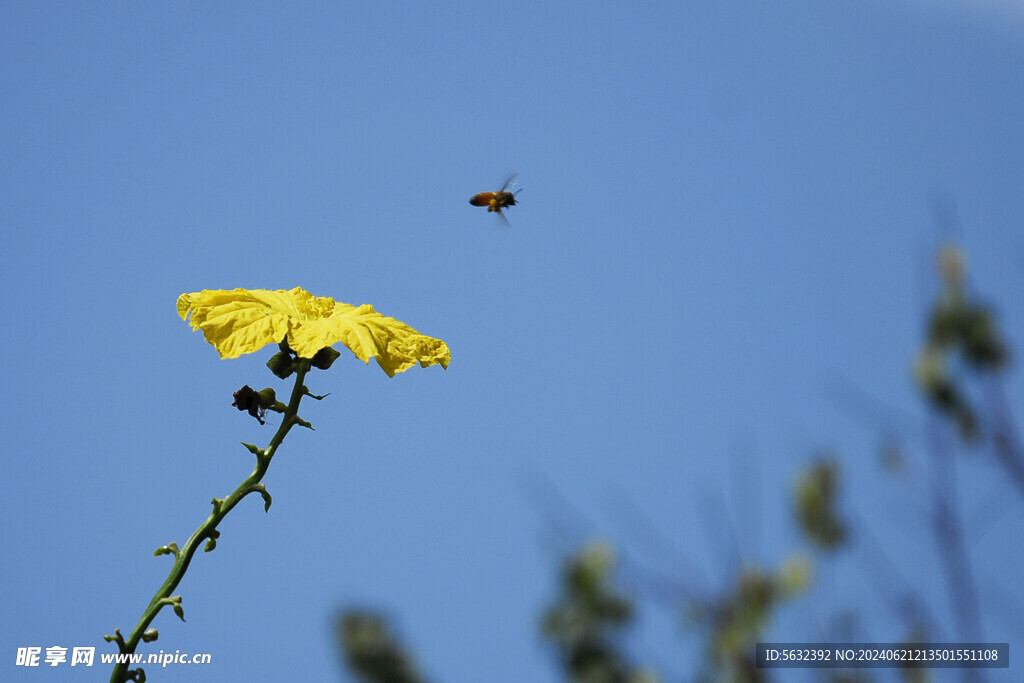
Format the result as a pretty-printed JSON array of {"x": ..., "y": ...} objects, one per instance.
[
  {"x": 512, "y": 180},
  {"x": 501, "y": 220}
]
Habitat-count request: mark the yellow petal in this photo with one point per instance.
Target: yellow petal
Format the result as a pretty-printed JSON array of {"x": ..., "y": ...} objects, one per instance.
[{"x": 245, "y": 320}]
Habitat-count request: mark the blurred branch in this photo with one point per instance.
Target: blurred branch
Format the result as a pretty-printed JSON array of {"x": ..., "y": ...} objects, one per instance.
[
  {"x": 949, "y": 537},
  {"x": 644, "y": 532},
  {"x": 903, "y": 599},
  {"x": 565, "y": 524},
  {"x": 1006, "y": 440},
  {"x": 719, "y": 530}
]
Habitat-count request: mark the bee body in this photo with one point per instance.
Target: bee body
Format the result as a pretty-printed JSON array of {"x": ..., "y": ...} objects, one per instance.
[{"x": 496, "y": 201}]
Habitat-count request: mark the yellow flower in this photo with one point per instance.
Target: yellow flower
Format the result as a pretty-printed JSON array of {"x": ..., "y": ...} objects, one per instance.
[{"x": 241, "y": 321}]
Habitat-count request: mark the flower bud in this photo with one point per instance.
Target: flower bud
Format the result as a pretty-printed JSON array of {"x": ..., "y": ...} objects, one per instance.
[
  {"x": 325, "y": 357},
  {"x": 282, "y": 364},
  {"x": 255, "y": 403}
]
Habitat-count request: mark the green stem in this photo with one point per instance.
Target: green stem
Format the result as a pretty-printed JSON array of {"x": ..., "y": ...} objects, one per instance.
[{"x": 207, "y": 529}]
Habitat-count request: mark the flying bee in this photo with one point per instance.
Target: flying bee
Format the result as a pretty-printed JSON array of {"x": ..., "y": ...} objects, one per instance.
[{"x": 496, "y": 201}]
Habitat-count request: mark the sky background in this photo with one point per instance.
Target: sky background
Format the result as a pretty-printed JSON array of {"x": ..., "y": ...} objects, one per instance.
[{"x": 726, "y": 217}]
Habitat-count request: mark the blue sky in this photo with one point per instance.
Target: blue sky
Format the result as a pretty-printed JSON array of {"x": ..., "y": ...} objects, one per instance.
[{"x": 726, "y": 211}]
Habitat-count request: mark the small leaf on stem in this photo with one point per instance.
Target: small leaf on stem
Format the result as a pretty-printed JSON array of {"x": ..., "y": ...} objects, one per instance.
[
  {"x": 116, "y": 638},
  {"x": 267, "y": 500},
  {"x": 178, "y": 609},
  {"x": 306, "y": 392},
  {"x": 169, "y": 549}
]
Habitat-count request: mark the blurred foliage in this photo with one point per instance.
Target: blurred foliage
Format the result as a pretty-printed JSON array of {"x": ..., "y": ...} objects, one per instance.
[
  {"x": 590, "y": 619},
  {"x": 961, "y": 333},
  {"x": 735, "y": 622},
  {"x": 371, "y": 652},
  {"x": 584, "y": 625},
  {"x": 815, "y": 494},
  {"x": 917, "y": 633}
]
